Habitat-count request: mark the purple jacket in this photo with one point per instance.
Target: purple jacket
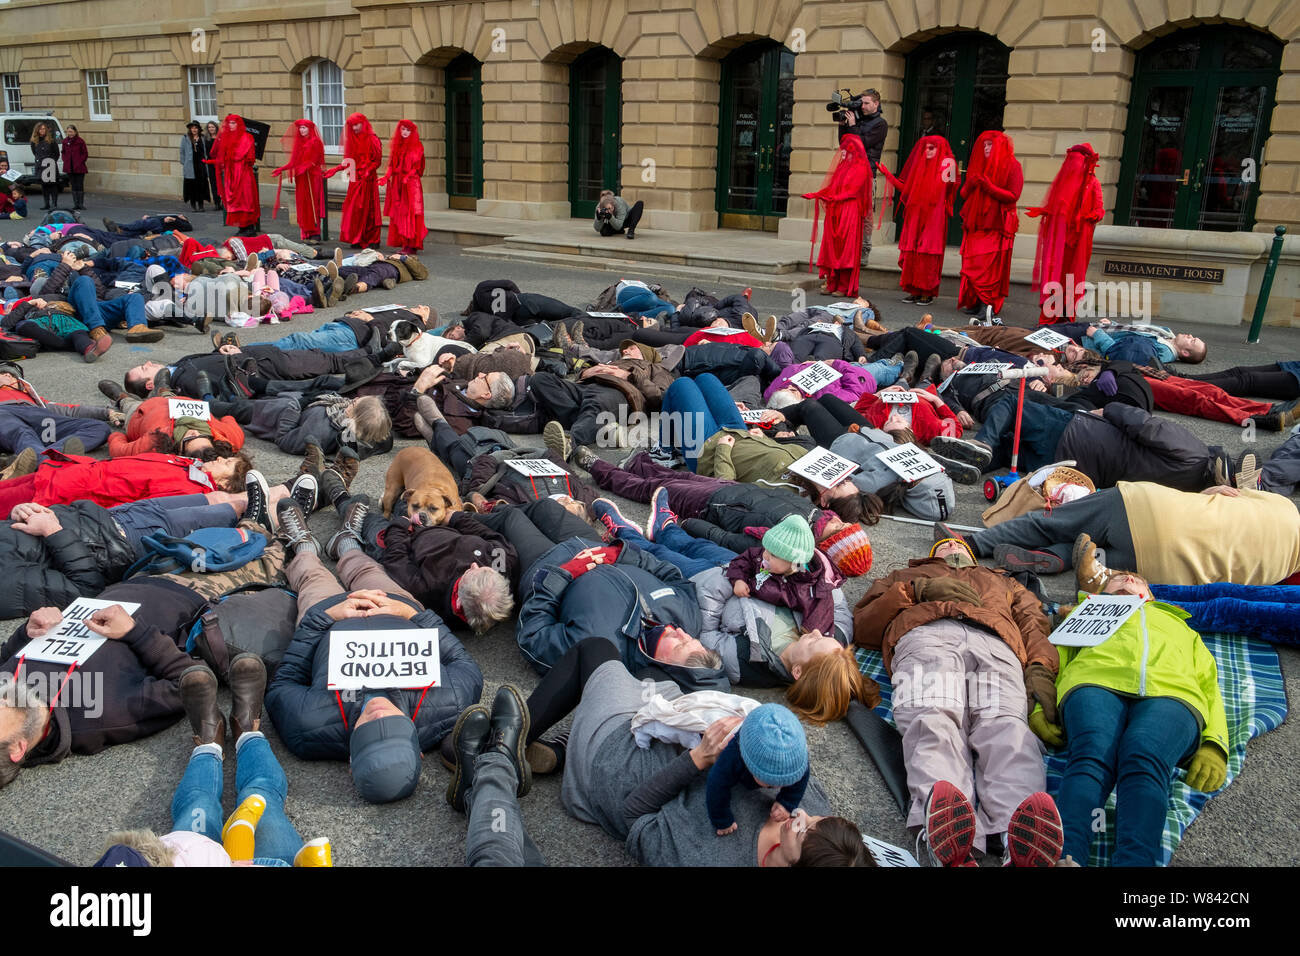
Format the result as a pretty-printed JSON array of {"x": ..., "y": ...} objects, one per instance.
[
  {"x": 74, "y": 155},
  {"x": 853, "y": 383},
  {"x": 810, "y": 592}
]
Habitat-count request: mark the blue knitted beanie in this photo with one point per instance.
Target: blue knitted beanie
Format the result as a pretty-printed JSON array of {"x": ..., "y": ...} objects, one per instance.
[{"x": 773, "y": 745}]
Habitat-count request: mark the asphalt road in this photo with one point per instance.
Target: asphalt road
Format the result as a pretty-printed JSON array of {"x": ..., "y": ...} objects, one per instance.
[{"x": 69, "y": 808}]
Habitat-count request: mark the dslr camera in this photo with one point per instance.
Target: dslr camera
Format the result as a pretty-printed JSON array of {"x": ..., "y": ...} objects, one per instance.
[
  {"x": 604, "y": 213},
  {"x": 842, "y": 103}
]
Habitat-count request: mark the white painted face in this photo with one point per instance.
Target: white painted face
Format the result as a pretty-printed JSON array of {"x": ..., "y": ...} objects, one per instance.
[
  {"x": 406, "y": 131},
  {"x": 988, "y": 148},
  {"x": 232, "y": 126},
  {"x": 356, "y": 127},
  {"x": 303, "y": 130}
]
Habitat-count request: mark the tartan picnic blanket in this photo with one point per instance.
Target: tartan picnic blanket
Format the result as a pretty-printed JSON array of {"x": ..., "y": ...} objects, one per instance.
[{"x": 1254, "y": 699}]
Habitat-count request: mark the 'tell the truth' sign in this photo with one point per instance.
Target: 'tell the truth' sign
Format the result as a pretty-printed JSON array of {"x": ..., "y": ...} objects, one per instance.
[
  {"x": 72, "y": 642},
  {"x": 814, "y": 378}
]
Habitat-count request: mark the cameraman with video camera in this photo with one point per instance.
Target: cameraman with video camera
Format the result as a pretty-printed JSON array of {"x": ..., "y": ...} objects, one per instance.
[
  {"x": 613, "y": 215},
  {"x": 861, "y": 116}
]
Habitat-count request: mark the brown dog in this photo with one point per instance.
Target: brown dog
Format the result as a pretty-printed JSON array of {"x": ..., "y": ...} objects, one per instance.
[{"x": 417, "y": 476}]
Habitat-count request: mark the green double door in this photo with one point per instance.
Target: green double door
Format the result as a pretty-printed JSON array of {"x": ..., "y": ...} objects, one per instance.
[
  {"x": 595, "y": 118},
  {"x": 756, "y": 126},
  {"x": 954, "y": 87},
  {"x": 1198, "y": 117}
]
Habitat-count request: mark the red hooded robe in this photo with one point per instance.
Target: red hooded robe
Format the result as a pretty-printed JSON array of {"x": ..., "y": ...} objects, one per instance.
[
  {"x": 989, "y": 221},
  {"x": 234, "y": 154},
  {"x": 404, "y": 201},
  {"x": 927, "y": 187},
  {"x": 845, "y": 197},
  {"x": 362, "y": 152},
  {"x": 1070, "y": 213},
  {"x": 306, "y": 152}
]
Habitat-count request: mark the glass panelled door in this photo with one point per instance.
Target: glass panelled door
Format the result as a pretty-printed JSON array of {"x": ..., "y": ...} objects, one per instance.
[
  {"x": 955, "y": 87},
  {"x": 1198, "y": 118},
  {"x": 595, "y": 119},
  {"x": 755, "y": 132},
  {"x": 464, "y": 133}
]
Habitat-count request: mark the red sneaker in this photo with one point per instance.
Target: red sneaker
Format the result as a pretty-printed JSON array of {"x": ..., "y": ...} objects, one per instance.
[
  {"x": 1034, "y": 835},
  {"x": 949, "y": 825}
]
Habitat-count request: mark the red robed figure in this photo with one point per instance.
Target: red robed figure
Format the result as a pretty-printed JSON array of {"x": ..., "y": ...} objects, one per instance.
[
  {"x": 234, "y": 154},
  {"x": 306, "y": 152},
  {"x": 404, "y": 201},
  {"x": 845, "y": 196},
  {"x": 362, "y": 151},
  {"x": 927, "y": 188},
  {"x": 1070, "y": 214},
  {"x": 994, "y": 180}
]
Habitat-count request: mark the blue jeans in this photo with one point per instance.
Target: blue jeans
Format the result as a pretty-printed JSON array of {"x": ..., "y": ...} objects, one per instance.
[
  {"x": 687, "y": 554},
  {"x": 637, "y": 301},
  {"x": 694, "y": 409},
  {"x": 29, "y": 426},
  {"x": 174, "y": 515},
  {"x": 884, "y": 373},
  {"x": 330, "y": 337},
  {"x": 197, "y": 803},
  {"x": 1135, "y": 741},
  {"x": 123, "y": 312}
]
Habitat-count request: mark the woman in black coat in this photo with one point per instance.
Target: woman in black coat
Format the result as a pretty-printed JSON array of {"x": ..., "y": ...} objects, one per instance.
[
  {"x": 210, "y": 143},
  {"x": 45, "y": 150},
  {"x": 194, "y": 150}
]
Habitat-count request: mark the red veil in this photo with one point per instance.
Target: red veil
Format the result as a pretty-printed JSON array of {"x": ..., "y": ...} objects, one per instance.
[
  {"x": 846, "y": 195},
  {"x": 979, "y": 209},
  {"x": 362, "y": 150},
  {"x": 234, "y": 153},
  {"x": 306, "y": 153},
  {"x": 1072, "y": 207},
  {"x": 924, "y": 183}
]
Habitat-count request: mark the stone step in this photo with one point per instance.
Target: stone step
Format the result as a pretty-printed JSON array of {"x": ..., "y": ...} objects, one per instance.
[
  {"x": 724, "y": 275},
  {"x": 700, "y": 253}
]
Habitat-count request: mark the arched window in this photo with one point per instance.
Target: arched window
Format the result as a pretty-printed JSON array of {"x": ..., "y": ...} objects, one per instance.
[
  {"x": 1198, "y": 118},
  {"x": 322, "y": 101}
]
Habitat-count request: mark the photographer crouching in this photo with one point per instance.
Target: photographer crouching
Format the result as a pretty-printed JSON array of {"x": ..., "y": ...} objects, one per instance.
[
  {"x": 861, "y": 116},
  {"x": 613, "y": 215}
]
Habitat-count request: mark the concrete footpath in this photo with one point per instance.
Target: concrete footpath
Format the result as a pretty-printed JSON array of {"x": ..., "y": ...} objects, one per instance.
[{"x": 69, "y": 808}]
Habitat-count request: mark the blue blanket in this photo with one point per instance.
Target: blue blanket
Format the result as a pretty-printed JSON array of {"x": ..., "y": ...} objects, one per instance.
[{"x": 1254, "y": 698}]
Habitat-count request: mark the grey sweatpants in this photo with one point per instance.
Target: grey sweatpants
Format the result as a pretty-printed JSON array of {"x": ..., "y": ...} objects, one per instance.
[
  {"x": 1100, "y": 514},
  {"x": 960, "y": 704}
]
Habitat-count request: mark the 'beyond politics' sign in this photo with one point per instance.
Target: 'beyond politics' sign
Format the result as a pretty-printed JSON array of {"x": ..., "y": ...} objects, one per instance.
[
  {"x": 1095, "y": 620},
  {"x": 377, "y": 660},
  {"x": 824, "y": 467}
]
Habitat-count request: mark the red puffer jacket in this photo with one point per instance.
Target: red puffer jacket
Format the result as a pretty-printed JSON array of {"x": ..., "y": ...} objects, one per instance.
[{"x": 64, "y": 479}]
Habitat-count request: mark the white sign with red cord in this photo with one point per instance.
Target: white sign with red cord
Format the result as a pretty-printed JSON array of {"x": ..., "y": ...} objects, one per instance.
[
  {"x": 814, "y": 378},
  {"x": 188, "y": 408},
  {"x": 378, "y": 660},
  {"x": 984, "y": 368},
  {"x": 909, "y": 462},
  {"x": 536, "y": 467},
  {"x": 1095, "y": 620},
  {"x": 824, "y": 467},
  {"x": 1049, "y": 339},
  {"x": 897, "y": 398},
  {"x": 72, "y": 642}
]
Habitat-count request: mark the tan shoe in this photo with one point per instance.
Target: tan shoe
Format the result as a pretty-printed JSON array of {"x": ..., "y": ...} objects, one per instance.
[
  {"x": 142, "y": 333},
  {"x": 750, "y": 325},
  {"x": 769, "y": 329},
  {"x": 1090, "y": 574},
  {"x": 23, "y": 464},
  {"x": 1248, "y": 474}
]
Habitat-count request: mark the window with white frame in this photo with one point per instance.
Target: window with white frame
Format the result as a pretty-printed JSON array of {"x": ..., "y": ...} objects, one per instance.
[
  {"x": 203, "y": 93},
  {"x": 97, "y": 94},
  {"x": 322, "y": 100},
  {"x": 13, "y": 93}
]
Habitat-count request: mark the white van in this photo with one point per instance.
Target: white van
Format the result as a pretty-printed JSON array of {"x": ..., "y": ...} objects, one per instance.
[{"x": 17, "y": 129}]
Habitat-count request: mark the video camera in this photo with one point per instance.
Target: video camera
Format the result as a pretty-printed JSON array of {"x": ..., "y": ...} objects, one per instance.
[{"x": 842, "y": 103}]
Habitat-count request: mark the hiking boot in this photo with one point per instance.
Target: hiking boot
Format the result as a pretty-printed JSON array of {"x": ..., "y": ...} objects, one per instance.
[
  {"x": 24, "y": 463},
  {"x": 293, "y": 525},
  {"x": 203, "y": 385},
  {"x": 318, "y": 297},
  {"x": 1034, "y": 834},
  {"x": 1248, "y": 472},
  {"x": 910, "y": 361},
  {"x": 575, "y": 333},
  {"x": 389, "y": 283},
  {"x": 313, "y": 460},
  {"x": 611, "y": 519},
  {"x": 1089, "y": 573},
  {"x": 509, "y": 733},
  {"x": 347, "y": 464},
  {"x": 1015, "y": 558},
  {"x": 354, "y": 518},
  {"x": 198, "y": 688},
  {"x": 949, "y": 825},
  {"x": 556, "y": 440},
  {"x": 547, "y": 756},
  {"x": 958, "y": 471},
  {"x": 468, "y": 738},
  {"x": 162, "y": 382},
  {"x": 562, "y": 339},
  {"x": 928, "y": 372},
  {"x": 584, "y": 457},
  {"x": 220, "y": 338},
  {"x": 111, "y": 390},
  {"x": 74, "y": 446},
  {"x": 142, "y": 333},
  {"x": 304, "y": 491},
  {"x": 963, "y": 449},
  {"x": 100, "y": 342},
  {"x": 247, "y": 688},
  {"x": 258, "y": 509},
  {"x": 661, "y": 516}
]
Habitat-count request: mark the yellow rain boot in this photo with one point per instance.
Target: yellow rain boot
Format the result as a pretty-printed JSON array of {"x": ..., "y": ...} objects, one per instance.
[
  {"x": 315, "y": 852},
  {"x": 238, "y": 834}
]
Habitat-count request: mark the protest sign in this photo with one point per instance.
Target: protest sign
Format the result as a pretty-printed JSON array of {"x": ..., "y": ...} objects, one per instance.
[
  {"x": 984, "y": 368},
  {"x": 909, "y": 462},
  {"x": 1095, "y": 620},
  {"x": 826, "y": 327},
  {"x": 753, "y": 417},
  {"x": 1048, "y": 339},
  {"x": 188, "y": 408},
  {"x": 385, "y": 308},
  {"x": 824, "y": 467},
  {"x": 536, "y": 467},
  {"x": 814, "y": 378},
  {"x": 72, "y": 642},
  {"x": 886, "y": 854},
  {"x": 609, "y": 315},
  {"x": 897, "y": 398},
  {"x": 377, "y": 660},
  {"x": 723, "y": 331}
]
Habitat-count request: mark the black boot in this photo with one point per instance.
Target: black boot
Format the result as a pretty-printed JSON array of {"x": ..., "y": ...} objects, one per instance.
[
  {"x": 509, "y": 733},
  {"x": 78, "y": 200}
]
